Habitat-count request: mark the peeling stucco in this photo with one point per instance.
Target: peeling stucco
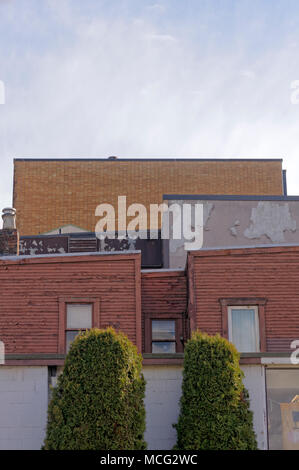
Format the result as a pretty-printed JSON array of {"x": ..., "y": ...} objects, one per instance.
[
  {"x": 233, "y": 229},
  {"x": 270, "y": 219}
]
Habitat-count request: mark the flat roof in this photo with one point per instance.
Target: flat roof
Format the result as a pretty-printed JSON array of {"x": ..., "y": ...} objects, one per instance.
[
  {"x": 271, "y": 247},
  {"x": 69, "y": 255},
  {"x": 140, "y": 159},
  {"x": 227, "y": 197}
]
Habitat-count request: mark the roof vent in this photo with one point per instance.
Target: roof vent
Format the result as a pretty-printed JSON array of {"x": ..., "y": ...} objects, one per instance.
[
  {"x": 112, "y": 158},
  {"x": 9, "y": 218}
]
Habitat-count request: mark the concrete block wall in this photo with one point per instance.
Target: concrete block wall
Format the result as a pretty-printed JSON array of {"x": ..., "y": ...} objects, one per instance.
[
  {"x": 254, "y": 381},
  {"x": 163, "y": 392},
  {"x": 23, "y": 407},
  {"x": 24, "y": 404}
]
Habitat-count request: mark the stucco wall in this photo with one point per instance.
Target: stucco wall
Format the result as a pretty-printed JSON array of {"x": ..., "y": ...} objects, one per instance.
[
  {"x": 23, "y": 407},
  {"x": 236, "y": 222}
]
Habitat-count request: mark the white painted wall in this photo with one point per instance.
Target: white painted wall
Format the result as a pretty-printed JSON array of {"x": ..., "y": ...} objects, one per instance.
[
  {"x": 254, "y": 381},
  {"x": 163, "y": 392},
  {"x": 23, "y": 407},
  {"x": 24, "y": 403}
]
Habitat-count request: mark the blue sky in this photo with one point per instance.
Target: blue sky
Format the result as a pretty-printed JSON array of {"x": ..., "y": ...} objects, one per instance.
[{"x": 141, "y": 78}]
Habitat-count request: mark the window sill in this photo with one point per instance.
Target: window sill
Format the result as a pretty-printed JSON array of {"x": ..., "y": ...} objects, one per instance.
[{"x": 163, "y": 359}]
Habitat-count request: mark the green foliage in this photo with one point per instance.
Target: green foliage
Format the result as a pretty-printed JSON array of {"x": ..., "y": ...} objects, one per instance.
[
  {"x": 215, "y": 411},
  {"x": 98, "y": 401}
]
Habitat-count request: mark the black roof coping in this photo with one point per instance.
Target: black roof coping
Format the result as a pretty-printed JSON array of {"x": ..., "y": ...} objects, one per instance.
[
  {"x": 106, "y": 159},
  {"x": 228, "y": 197}
]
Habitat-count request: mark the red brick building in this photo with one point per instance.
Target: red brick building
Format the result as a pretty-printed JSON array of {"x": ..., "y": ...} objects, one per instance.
[
  {"x": 36, "y": 293},
  {"x": 247, "y": 294},
  {"x": 267, "y": 278}
]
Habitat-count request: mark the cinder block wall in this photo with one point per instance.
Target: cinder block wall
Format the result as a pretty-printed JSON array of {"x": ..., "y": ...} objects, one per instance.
[
  {"x": 23, "y": 407},
  {"x": 254, "y": 381},
  {"x": 24, "y": 404},
  {"x": 163, "y": 392}
]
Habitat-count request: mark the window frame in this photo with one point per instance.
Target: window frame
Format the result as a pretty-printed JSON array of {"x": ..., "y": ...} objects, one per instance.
[
  {"x": 179, "y": 332},
  {"x": 63, "y": 302},
  {"x": 256, "y": 324},
  {"x": 173, "y": 340},
  {"x": 258, "y": 303}
]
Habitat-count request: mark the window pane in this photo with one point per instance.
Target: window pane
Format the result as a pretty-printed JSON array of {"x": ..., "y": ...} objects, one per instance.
[
  {"x": 283, "y": 408},
  {"x": 70, "y": 336},
  {"x": 163, "y": 329},
  {"x": 79, "y": 316},
  {"x": 244, "y": 329},
  {"x": 161, "y": 347}
]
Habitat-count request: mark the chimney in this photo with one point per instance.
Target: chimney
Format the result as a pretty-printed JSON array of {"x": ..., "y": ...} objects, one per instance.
[{"x": 9, "y": 236}]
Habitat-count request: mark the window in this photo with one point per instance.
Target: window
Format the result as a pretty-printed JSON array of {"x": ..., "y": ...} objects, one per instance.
[
  {"x": 78, "y": 318},
  {"x": 163, "y": 336},
  {"x": 75, "y": 314},
  {"x": 243, "y": 328},
  {"x": 283, "y": 408},
  {"x": 243, "y": 323}
]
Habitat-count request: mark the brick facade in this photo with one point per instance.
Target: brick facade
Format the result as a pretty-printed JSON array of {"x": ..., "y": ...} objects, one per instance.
[
  {"x": 9, "y": 242},
  {"x": 33, "y": 289},
  {"x": 52, "y": 193},
  {"x": 164, "y": 293},
  {"x": 257, "y": 276}
]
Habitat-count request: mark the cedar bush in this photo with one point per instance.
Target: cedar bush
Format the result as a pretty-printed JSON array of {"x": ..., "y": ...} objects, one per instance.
[
  {"x": 214, "y": 411},
  {"x": 98, "y": 401}
]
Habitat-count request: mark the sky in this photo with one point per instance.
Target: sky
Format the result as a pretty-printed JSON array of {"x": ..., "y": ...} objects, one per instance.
[{"x": 146, "y": 78}]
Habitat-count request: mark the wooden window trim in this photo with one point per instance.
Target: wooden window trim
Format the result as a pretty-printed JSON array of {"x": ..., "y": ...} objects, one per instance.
[
  {"x": 260, "y": 303},
  {"x": 178, "y": 318},
  {"x": 63, "y": 301}
]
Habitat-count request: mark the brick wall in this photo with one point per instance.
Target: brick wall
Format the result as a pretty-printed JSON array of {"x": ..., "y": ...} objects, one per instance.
[
  {"x": 269, "y": 273},
  {"x": 31, "y": 290},
  {"x": 163, "y": 293},
  {"x": 9, "y": 242},
  {"x": 53, "y": 193}
]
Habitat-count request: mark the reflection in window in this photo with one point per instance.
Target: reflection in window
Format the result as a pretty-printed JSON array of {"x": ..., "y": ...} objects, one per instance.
[
  {"x": 163, "y": 337},
  {"x": 78, "y": 317},
  {"x": 283, "y": 408}
]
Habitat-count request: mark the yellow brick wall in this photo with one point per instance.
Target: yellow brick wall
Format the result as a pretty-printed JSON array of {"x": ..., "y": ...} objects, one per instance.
[{"x": 52, "y": 193}]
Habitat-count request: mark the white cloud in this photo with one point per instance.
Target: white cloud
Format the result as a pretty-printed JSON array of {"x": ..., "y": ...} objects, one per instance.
[
  {"x": 157, "y": 7},
  {"x": 248, "y": 74},
  {"x": 137, "y": 89},
  {"x": 161, "y": 37}
]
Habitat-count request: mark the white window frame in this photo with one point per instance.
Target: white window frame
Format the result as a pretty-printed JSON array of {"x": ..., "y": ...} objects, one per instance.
[{"x": 257, "y": 324}]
